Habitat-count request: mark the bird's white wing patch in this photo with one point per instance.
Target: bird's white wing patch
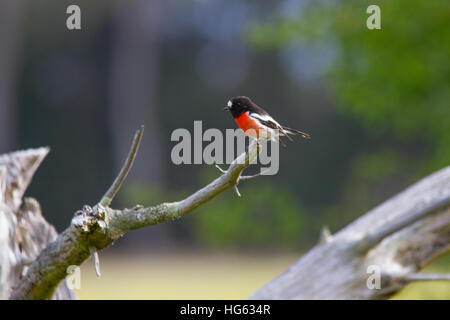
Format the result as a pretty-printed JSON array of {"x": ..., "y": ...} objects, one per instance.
[{"x": 264, "y": 118}]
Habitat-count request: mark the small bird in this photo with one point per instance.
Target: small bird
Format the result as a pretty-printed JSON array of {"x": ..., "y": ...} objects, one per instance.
[{"x": 257, "y": 123}]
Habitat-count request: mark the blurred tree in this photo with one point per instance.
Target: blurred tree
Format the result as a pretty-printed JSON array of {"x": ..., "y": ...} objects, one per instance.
[
  {"x": 10, "y": 48},
  {"x": 133, "y": 83},
  {"x": 132, "y": 95},
  {"x": 395, "y": 80},
  {"x": 62, "y": 104}
]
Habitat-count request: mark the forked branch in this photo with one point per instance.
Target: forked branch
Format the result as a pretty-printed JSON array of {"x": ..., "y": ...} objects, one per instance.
[{"x": 95, "y": 228}]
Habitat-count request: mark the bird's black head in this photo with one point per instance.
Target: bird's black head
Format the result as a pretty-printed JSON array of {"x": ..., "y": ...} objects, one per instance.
[{"x": 238, "y": 105}]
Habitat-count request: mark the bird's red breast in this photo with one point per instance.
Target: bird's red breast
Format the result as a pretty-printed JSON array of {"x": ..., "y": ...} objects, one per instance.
[{"x": 245, "y": 123}]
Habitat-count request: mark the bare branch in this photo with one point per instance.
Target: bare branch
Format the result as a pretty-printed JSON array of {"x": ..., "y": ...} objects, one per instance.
[
  {"x": 422, "y": 209},
  {"x": 93, "y": 229},
  {"x": 236, "y": 189},
  {"x": 242, "y": 178},
  {"x": 114, "y": 188},
  {"x": 398, "y": 238},
  {"x": 220, "y": 169},
  {"x": 325, "y": 235},
  {"x": 413, "y": 277},
  {"x": 245, "y": 178}
]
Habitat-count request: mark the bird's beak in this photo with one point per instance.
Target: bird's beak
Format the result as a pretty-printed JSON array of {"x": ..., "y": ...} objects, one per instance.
[{"x": 226, "y": 108}]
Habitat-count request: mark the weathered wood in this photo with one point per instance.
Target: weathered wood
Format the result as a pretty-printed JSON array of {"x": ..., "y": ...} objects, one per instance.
[
  {"x": 23, "y": 230},
  {"x": 399, "y": 237}
]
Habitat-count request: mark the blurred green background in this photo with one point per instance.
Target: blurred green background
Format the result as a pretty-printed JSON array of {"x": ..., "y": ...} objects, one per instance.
[{"x": 376, "y": 103}]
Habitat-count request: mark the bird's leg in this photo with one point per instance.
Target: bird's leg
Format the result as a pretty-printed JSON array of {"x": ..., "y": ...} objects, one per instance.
[{"x": 247, "y": 160}]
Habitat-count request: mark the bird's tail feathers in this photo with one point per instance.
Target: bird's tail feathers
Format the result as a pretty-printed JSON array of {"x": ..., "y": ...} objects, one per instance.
[
  {"x": 278, "y": 139},
  {"x": 296, "y": 132}
]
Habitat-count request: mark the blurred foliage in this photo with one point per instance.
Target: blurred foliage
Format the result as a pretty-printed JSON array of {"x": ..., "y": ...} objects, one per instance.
[
  {"x": 395, "y": 80},
  {"x": 371, "y": 177},
  {"x": 143, "y": 194},
  {"x": 267, "y": 218}
]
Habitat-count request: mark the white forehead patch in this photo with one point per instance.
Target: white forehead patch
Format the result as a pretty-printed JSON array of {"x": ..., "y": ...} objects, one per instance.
[{"x": 229, "y": 104}]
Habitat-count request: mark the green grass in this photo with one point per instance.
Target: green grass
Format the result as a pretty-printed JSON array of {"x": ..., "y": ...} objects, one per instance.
[{"x": 206, "y": 276}]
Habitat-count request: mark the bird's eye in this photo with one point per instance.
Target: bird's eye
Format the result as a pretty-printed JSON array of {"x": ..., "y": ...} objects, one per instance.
[{"x": 229, "y": 104}]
